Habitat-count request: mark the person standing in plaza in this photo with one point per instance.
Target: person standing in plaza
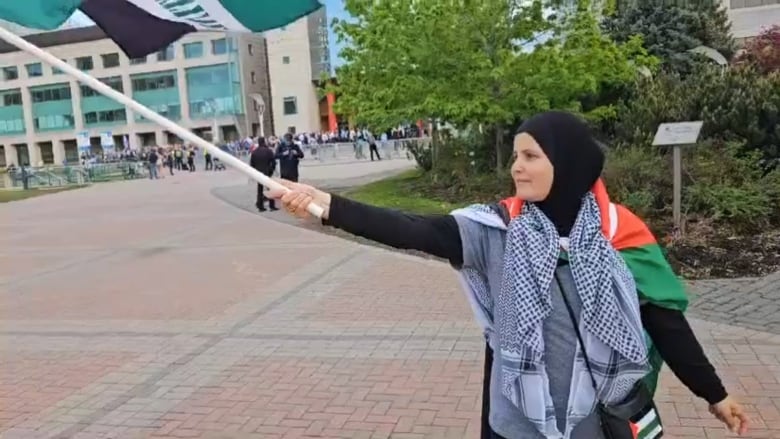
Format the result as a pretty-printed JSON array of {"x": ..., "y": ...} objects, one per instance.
[
  {"x": 263, "y": 160},
  {"x": 578, "y": 304},
  {"x": 152, "y": 159},
  {"x": 191, "y": 159},
  {"x": 289, "y": 155},
  {"x": 178, "y": 157}
]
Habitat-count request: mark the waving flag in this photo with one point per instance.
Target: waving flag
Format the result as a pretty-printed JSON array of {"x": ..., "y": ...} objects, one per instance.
[{"x": 141, "y": 27}]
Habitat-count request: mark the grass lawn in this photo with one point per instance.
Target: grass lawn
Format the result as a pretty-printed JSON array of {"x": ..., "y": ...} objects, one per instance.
[
  {"x": 400, "y": 193},
  {"x": 16, "y": 195}
]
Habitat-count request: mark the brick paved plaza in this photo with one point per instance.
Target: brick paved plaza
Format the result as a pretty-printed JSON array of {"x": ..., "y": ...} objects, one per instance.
[{"x": 155, "y": 309}]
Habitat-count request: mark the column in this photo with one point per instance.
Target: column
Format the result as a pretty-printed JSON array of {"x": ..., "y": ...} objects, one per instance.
[
  {"x": 27, "y": 105},
  {"x": 58, "y": 148},
  {"x": 34, "y": 152},
  {"x": 127, "y": 86},
  {"x": 184, "y": 98},
  {"x": 75, "y": 97},
  {"x": 10, "y": 155},
  {"x": 160, "y": 138}
]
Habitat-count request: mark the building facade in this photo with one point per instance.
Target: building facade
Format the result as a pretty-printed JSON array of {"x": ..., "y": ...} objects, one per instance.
[
  {"x": 201, "y": 81},
  {"x": 298, "y": 57}
]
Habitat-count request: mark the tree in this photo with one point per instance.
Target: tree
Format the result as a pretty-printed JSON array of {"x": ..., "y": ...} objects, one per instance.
[
  {"x": 473, "y": 62},
  {"x": 670, "y": 32},
  {"x": 763, "y": 52}
]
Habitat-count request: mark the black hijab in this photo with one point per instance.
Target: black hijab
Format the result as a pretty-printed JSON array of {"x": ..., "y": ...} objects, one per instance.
[{"x": 577, "y": 162}]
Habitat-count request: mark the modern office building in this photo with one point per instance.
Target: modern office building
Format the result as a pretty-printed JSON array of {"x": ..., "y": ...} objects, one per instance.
[
  {"x": 201, "y": 81},
  {"x": 298, "y": 57}
]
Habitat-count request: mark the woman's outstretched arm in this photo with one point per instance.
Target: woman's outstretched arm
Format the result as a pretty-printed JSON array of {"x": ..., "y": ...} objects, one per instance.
[{"x": 437, "y": 235}]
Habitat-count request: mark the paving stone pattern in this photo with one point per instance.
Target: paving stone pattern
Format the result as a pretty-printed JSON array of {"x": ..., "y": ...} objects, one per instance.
[{"x": 155, "y": 310}]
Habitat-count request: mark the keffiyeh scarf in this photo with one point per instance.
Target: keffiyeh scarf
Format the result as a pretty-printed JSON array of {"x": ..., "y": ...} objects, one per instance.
[{"x": 610, "y": 322}]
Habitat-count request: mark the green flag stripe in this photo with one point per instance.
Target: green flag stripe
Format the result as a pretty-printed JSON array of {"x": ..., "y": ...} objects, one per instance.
[
  {"x": 655, "y": 281},
  {"x": 38, "y": 14},
  {"x": 262, "y": 15},
  {"x": 652, "y": 432}
]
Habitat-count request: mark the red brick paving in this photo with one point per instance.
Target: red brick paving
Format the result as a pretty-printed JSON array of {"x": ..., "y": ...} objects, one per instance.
[
  {"x": 32, "y": 383},
  {"x": 175, "y": 315},
  {"x": 335, "y": 398},
  {"x": 379, "y": 294}
]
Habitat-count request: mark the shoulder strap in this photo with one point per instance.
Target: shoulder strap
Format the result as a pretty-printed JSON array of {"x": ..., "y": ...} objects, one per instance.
[
  {"x": 579, "y": 334},
  {"x": 501, "y": 210}
]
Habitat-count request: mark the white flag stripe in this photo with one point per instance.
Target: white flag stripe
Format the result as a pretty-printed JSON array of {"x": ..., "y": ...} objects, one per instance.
[
  {"x": 222, "y": 15},
  {"x": 654, "y": 433},
  {"x": 154, "y": 8},
  {"x": 646, "y": 420}
]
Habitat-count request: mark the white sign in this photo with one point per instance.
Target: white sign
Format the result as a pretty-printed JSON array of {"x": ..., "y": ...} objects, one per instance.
[
  {"x": 82, "y": 139},
  {"x": 106, "y": 139},
  {"x": 677, "y": 133}
]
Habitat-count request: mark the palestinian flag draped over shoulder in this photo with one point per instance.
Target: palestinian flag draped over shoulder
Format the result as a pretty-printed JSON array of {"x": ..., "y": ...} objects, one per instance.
[{"x": 141, "y": 27}]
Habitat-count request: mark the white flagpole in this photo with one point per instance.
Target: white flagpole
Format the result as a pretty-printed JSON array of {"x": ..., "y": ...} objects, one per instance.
[{"x": 183, "y": 133}]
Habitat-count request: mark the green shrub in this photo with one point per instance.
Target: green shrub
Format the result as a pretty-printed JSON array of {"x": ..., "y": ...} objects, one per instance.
[
  {"x": 736, "y": 105},
  {"x": 722, "y": 184},
  {"x": 729, "y": 186},
  {"x": 421, "y": 153},
  {"x": 639, "y": 178}
]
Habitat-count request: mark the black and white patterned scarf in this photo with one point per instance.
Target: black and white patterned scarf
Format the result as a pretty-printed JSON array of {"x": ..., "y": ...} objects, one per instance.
[{"x": 610, "y": 322}]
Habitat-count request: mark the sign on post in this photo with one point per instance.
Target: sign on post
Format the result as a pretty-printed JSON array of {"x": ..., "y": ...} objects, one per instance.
[
  {"x": 82, "y": 140},
  {"x": 677, "y": 135},
  {"x": 107, "y": 142}
]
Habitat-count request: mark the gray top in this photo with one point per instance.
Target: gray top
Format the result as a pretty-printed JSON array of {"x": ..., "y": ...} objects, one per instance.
[{"x": 483, "y": 249}]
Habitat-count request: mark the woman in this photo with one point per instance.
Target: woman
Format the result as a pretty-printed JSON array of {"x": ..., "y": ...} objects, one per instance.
[{"x": 561, "y": 311}]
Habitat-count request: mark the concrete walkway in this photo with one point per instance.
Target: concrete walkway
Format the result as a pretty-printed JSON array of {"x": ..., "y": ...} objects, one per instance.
[{"x": 154, "y": 309}]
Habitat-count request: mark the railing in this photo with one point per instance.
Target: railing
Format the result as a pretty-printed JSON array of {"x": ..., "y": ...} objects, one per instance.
[
  {"x": 356, "y": 151},
  {"x": 59, "y": 176}
]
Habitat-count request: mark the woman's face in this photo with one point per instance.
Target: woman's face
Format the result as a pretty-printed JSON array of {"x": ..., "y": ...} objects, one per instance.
[{"x": 532, "y": 171}]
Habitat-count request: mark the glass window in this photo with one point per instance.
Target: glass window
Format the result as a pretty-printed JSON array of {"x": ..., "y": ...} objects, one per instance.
[
  {"x": 251, "y": 50},
  {"x": 56, "y": 71},
  {"x": 290, "y": 105},
  {"x": 136, "y": 61},
  {"x": 10, "y": 73},
  {"x": 110, "y": 60},
  {"x": 254, "y": 77},
  {"x": 193, "y": 50},
  {"x": 12, "y": 125},
  {"x": 50, "y": 94},
  {"x": 103, "y": 117},
  {"x": 163, "y": 81},
  {"x": 285, "y": 60},
  {"x": 114, "y": 82},
  {"x": 166, "y": 54},
  {"x": 291, "y": 130},
  {"x": 84, "y": 63},
  {"x": 53, "y": 122},
  {"x": 34, "y": 70},
  {"x": 12, "y": 98},
  {"x": 219, "y": 47}
]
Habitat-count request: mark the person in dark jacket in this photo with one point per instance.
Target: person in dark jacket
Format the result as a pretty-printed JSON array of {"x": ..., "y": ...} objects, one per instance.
[
  {"x": 263, "y": 160},
  {"x": 289, "y": 155}
]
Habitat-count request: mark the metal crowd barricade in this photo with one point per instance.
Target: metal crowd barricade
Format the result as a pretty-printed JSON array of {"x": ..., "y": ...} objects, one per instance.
[{"x": 346, "y": 152}]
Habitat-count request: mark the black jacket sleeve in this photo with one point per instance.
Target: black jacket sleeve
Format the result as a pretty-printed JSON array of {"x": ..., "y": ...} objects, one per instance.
[
  {"x": 437, "y": 235},
  {"x": 679, "y": 348}
]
